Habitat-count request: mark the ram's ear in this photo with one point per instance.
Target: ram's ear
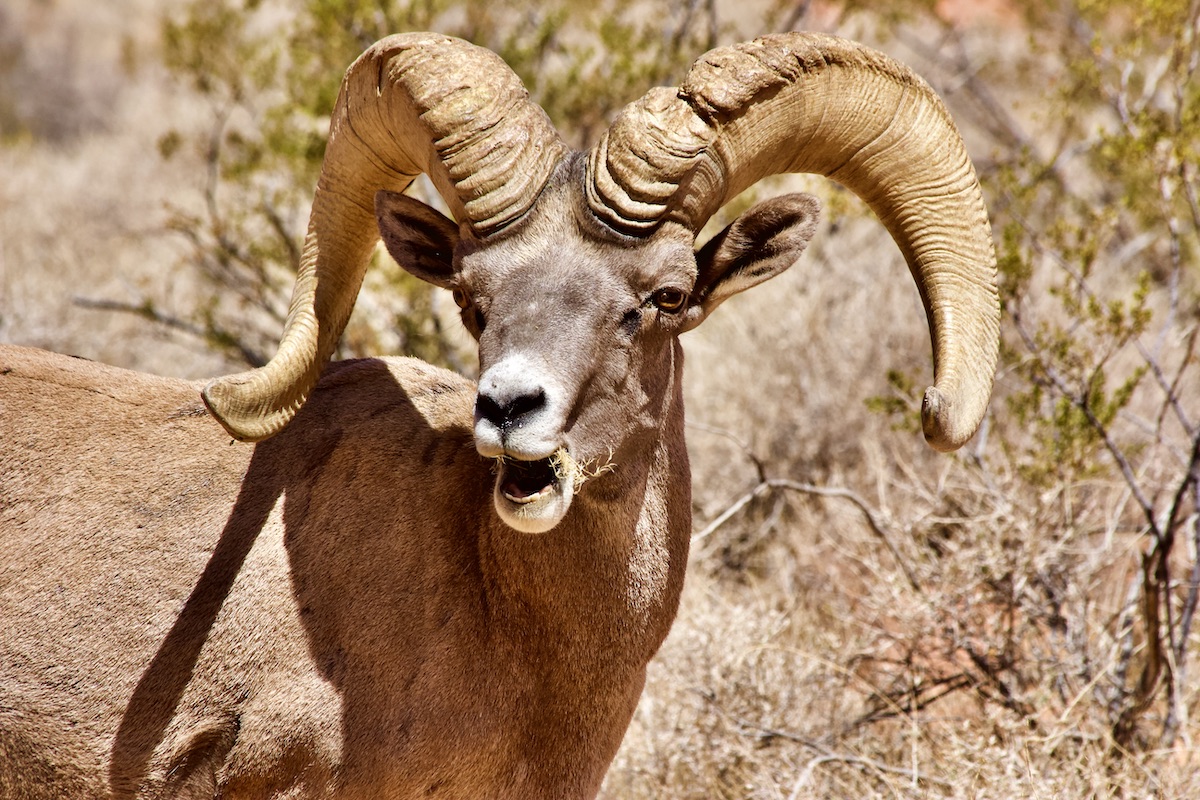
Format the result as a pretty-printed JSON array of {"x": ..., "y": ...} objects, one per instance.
[
  {"x": 758, "y": 245},
  {"x": 420, "y": 238}
]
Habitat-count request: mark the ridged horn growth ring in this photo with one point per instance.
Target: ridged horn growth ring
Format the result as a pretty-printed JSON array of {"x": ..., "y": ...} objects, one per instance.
[
  {"x": 411, "y": 104},
  {"x": 494, "y": 147},
  {"x": 819, "y": 104}
]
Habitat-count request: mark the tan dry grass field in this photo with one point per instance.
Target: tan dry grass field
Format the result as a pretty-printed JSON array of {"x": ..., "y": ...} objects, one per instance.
[{"x": 891, "y": 623}]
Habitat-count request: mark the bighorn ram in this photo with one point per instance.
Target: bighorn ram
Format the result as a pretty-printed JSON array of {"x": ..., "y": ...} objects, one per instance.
[{"x": 423, "y": 587}]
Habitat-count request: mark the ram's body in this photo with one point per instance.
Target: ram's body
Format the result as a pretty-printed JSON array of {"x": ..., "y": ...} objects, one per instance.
[
  {"x": 269, "y": 618},
  {"x": 419, "y": 586}
]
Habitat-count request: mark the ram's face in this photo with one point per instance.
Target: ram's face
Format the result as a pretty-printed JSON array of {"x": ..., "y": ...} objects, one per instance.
[
  {"x": 576, "y": 329},
  {"x": 576, "y": 354}
]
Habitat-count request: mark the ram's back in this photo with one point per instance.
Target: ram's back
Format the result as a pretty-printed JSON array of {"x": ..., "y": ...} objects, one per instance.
[{"x": 172, "y": 603}]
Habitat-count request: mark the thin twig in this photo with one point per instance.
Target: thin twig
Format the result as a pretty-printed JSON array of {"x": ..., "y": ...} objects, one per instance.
[
  {"x": 867, "y": 763},
  {"x": 764, "y": 732},
  {"x": 872, "y": 517},
  {"x": 1002, "y": 125},
  {"x": 1188, "y": 487},
  {"x": 1099, "y": 427},
  {"x": 730, "y": 512},
  {"x": 760, "y": 467},
  {"x": 147, "y": 311},
  {"x": 281, "y": 230},
  {"x": 1171, "y": 388},
  {"x": 797, "y": 15}
]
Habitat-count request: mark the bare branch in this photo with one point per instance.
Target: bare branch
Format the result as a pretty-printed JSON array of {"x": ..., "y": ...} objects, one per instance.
[
  {"x": 797, "y": 15},
  {"x": 209, "y": 335},
  {"x": 1171, "y": 388},
  {"x": 867, "y": 763},
  {"x": 280, "y": 227},
  {"x": 1080, "y": 402},
  {"x": 760, "y": 468},
  {"x": 869, "y": 514},
  {"x": 729, "y": 513},
  {"x": 825, "y": 754},
  {"x": 996, "y": 119}
]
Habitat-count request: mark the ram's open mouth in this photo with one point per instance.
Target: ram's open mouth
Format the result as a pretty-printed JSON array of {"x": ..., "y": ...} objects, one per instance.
[
  {"x": 534, "y": 496},
  {"x": 525, "y": 482}
]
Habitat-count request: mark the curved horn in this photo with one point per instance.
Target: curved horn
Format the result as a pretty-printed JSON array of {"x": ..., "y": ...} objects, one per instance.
[
  {"x": 819, "y": 104},
  {"x": 411, "y": 104}
]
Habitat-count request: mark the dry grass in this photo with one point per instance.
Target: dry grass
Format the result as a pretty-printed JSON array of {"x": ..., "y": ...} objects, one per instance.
[{"x": 935, "y": 628}]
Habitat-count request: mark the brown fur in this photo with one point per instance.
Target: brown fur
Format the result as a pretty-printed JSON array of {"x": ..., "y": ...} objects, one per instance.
[{"x": 183, "y": 614}]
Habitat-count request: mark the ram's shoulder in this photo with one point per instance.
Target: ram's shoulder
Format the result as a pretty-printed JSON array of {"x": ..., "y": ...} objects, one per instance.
[{"x": 394, "y": 387}]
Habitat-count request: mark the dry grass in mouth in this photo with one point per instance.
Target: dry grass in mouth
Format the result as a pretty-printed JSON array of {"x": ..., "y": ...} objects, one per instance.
[{"x": 567, "y": 468}]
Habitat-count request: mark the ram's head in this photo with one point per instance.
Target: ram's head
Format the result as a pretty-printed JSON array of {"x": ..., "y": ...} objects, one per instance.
[{"x": 577, "y": 271}]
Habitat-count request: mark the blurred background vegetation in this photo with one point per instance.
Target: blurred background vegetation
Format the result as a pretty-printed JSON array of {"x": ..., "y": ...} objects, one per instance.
[{"x": 863, "y": 617}]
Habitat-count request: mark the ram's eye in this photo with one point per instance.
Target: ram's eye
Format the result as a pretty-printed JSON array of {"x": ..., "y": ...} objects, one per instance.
[
  {"x": 671, "y": 301},
  {"x": 460, "y": 297}
]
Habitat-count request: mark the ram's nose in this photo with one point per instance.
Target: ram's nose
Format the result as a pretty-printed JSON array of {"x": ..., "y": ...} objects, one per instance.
[
  {"x": 515, "y": 412},
  {"x": 506, "y": 410}
]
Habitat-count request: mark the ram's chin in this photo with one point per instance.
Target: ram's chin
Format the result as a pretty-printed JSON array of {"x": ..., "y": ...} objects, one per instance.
[{"x": 534, "y": 496}]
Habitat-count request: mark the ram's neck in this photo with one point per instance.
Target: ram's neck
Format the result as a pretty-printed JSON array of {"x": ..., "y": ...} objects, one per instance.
[
  {"x": 607, "y": 579},
  {"x": 581, "y": 609}
]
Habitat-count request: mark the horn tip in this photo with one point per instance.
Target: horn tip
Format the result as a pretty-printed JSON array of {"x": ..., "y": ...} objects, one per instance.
[
  {"x": 230, "y": 400},
  {"x": 944, "y": 429}
]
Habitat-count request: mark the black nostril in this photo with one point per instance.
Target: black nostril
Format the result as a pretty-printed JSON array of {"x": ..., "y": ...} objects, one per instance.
[
  {"x": 526, "y": 404},
  {"x": 506, "y": 414},
  {"x": 489, "y": 409}
]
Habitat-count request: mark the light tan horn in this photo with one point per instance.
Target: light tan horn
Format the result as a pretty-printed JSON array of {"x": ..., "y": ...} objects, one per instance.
[
  {"x": 411, "y": 104},
  {"x": 819, "y": 104}
]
